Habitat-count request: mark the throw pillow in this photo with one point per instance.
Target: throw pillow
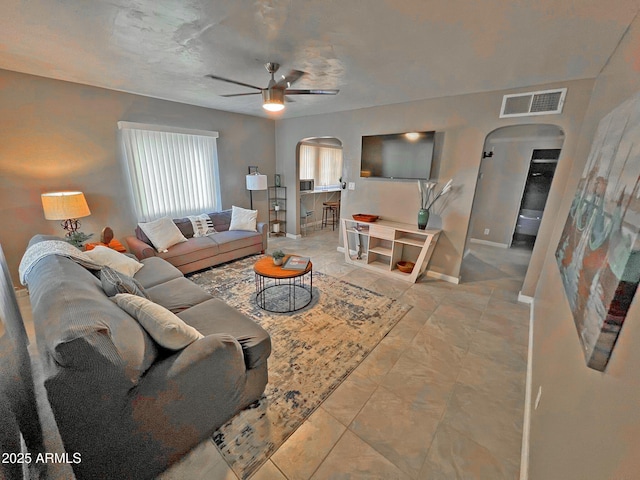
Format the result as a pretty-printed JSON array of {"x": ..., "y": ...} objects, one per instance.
[
  {"x": 163, "y": 233},
  {"x": 118, "y": 261},
  {"x": 243, "y": 219},
  {"x": 202, "y": 225},
  {"x": 114, "y": 282},
  {"x": 167, "y": 329}
]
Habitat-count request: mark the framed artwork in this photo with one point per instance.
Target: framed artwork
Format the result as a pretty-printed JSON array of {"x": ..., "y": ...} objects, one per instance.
[
  {"x": 599, "y": 250},
  {"x": 277, "y": 180}
]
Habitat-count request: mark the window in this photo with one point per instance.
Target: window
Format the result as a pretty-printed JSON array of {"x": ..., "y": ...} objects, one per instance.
[
  {"x": 322, "y": 163},
  {"x": 173, "y": 172}
]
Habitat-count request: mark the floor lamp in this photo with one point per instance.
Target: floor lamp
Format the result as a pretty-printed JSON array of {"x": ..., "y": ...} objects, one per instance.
[{"x": 255, "y": 181}]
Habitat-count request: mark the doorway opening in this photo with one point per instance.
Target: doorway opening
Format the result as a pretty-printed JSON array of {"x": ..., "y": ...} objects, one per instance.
[
  {"x": 534, "y": 198},
  {"x": 514, "y": 180},
  {"x": 319, "y": 168}
]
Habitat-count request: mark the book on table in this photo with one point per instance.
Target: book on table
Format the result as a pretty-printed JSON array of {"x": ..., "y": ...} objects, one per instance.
[{"x": 296, "y": 263}]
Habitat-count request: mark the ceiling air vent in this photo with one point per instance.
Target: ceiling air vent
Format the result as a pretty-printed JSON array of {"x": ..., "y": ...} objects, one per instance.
[{"x": 546, "y": 102}]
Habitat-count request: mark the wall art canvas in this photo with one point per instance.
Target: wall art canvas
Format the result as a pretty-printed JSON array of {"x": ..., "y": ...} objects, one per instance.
[{"x": 599, "y": 250}]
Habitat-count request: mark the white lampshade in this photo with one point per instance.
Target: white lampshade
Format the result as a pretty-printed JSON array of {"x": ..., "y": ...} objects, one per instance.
[
  {"x": 256, "y": 181},
  {"x": 64, "y": 205}
]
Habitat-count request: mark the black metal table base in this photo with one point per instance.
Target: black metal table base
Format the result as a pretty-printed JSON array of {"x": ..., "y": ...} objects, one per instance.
[{"x": 284, "y": 295}]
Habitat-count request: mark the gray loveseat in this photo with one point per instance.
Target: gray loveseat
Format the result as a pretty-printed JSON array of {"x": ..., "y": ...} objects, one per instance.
[
  {"x": 202, "y": 252},
  {"x": 128, "y": 406}
]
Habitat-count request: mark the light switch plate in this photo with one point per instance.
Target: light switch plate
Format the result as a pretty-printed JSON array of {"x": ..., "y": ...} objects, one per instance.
[{"x": 352, "y": 185}]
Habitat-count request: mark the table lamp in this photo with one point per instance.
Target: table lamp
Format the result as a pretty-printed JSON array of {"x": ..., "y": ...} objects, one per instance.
[
  {"x": 66, "y": 206},
  {"x": 255, "y": 181}
]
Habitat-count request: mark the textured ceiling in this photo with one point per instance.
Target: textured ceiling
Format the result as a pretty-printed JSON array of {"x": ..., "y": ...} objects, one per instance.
[{"x": 375, "y": 51}]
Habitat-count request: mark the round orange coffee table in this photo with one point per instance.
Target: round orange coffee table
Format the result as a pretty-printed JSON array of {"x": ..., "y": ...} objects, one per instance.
[{"x": 281, "y": 290}]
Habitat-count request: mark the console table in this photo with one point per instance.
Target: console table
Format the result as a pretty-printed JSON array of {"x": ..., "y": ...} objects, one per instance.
[{"x": 382, "y": 244}]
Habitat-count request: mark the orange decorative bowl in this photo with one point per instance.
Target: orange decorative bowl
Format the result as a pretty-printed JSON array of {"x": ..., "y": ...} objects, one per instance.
[
  {"x": 406, "y": 267},
  {"x": 365, "y": 217}
]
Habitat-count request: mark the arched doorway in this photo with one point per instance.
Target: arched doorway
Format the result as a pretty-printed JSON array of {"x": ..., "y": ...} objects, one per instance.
[
  {"x": 319, "y": 170},
  {"x": 514, "y": 180}
]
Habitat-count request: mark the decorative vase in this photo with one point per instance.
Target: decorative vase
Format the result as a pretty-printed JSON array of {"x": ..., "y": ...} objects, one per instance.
[
  {"x": 423, "y": 218},
  {"x": 277, "y": 261}
]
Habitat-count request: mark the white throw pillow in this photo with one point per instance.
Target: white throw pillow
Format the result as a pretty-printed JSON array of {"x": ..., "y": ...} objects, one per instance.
[
  {"x": 243, "y": 219},
  {"x": 116, "y": 260},
  {"x": 163, "y": 233},
  {"x": 165, "y": 327}
]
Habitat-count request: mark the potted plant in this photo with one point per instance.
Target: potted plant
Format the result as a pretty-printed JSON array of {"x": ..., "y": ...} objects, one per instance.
[
  {"x": 276, "y": 206},
  {"x": 78, "y": 238},
  {"x": 278, "y": 255},
  {"x": 428, "y": 197}
]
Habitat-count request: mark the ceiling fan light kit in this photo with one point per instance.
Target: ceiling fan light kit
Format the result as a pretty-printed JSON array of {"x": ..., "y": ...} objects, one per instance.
[
  {"x": 274, "y": 96},
  {"x": 273, "y": 99}
]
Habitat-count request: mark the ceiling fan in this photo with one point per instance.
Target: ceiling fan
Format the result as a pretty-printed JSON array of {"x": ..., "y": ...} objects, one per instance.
[{"x": 276, "y": 93}]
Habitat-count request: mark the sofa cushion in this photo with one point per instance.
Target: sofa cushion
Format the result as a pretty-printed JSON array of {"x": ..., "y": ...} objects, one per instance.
[
  {"x": 165, "y": 327},
  {"x": 116, "y": 260},
  {"x": 114, "y": 282},
  {"x": 221, "y": 220},
  {"x": 185, "y": 226},
  {"x": 191, "y": 251},
  {"x": 80, "y": 327},
  {"x": 236, "y": 239},
  {"x": 163, "y": 233},
  {"x": 243, "y": 219},
  {"x": 156, "y": 271},
  {"x": 215, "y": 316},
  {"x": 178, "y": 294}
]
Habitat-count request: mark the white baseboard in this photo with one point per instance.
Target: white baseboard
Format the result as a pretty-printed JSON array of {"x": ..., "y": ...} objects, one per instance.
[
  {"x": 525, "y": 298},
  {"x": 442, "y": 276},
  {"x": 526, "y": 423},
  {"x": 294, "y": 236},
  {"x": 340, "y": 249},
  {"x": 487, "y": 242}
]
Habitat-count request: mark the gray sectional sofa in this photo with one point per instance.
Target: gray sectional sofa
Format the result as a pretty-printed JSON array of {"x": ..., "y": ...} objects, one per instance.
[
  {"x": 128, "y": 406},
  {"x": 202, "y": 252}
]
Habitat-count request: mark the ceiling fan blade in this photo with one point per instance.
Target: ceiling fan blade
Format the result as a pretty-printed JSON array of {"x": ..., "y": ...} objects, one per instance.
[
  {"x": 222, "y": 79},
  {"x": 240, "y": 94},
  {"x": 292, "y": 77},
  {"x": 311, "y": 92}
]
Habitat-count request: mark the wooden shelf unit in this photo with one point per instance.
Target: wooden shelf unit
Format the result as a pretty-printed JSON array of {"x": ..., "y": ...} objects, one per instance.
[{"x": 381, "y": 245}]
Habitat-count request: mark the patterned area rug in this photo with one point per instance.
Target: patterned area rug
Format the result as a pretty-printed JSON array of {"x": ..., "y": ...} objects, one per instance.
[{"x": 314, "y": 350}]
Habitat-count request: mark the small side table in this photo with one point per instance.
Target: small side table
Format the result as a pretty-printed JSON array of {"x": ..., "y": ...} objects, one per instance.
[
  {"x": 113, "y": 244},
  {"x": 282, "y": 291}
]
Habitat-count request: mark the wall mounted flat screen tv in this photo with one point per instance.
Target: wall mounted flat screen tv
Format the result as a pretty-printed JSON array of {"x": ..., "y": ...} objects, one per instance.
[{"x": 397, "y": 155}]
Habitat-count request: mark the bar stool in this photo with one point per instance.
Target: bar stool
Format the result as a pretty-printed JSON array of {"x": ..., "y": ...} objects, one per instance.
[
  {"x": 330, "y": 214},
  {"x": 304, "y": 217}
]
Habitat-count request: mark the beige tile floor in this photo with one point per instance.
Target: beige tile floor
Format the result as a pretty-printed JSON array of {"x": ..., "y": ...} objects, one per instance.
[{"x": 441, "y": 397}]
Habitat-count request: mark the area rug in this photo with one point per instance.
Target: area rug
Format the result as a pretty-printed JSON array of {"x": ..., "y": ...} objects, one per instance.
[{"x": 313, "y": 351}]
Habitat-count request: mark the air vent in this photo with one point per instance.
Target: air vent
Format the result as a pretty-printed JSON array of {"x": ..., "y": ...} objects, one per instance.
[{"x": 546, "y": 102}]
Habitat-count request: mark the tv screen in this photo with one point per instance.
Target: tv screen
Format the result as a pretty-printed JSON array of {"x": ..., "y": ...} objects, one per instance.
[{"x": 397, "y": 155}]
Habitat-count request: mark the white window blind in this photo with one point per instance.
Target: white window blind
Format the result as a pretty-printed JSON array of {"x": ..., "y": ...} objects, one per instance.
[
  {"x": 321, "y": 163},
  {"x": 173, "y": 172}
]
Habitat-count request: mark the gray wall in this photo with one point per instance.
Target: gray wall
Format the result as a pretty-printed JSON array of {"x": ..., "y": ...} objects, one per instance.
[
  {"x": 503, "y": 176},
  {"x": 462, "y": 121},
  {"x": 58, "y": 135},
  {"x": 587, "y": 424}
]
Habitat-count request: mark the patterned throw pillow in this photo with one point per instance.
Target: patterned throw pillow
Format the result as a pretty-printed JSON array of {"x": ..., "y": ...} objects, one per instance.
[
  {"x": 114, "y": 282},
  {"x": 202, "y": 225}
]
